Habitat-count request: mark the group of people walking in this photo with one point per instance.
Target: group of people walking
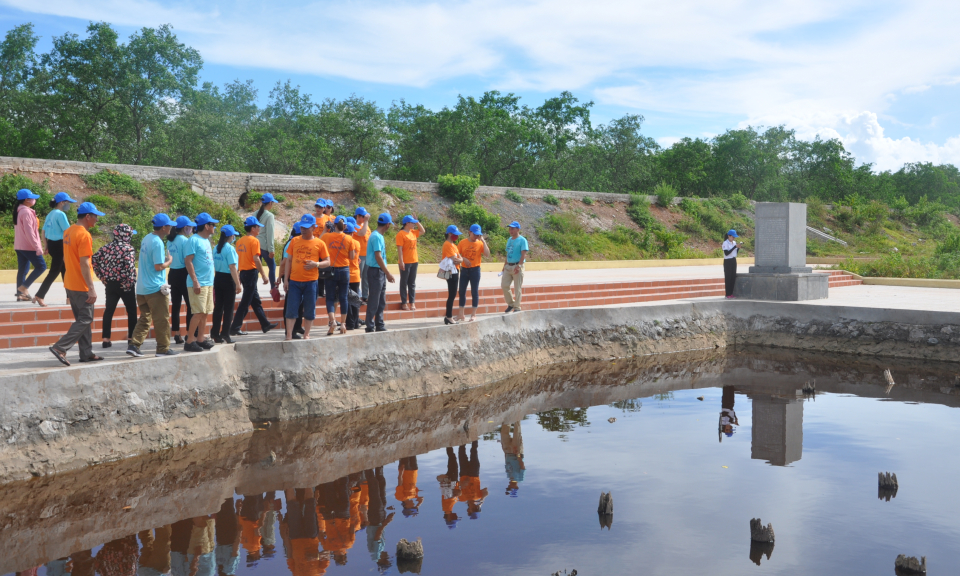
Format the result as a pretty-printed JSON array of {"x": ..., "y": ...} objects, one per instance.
[{"x": 339, "y": 258}]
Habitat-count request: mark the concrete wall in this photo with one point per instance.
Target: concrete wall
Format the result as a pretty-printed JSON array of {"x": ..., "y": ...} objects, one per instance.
[
  {"x": 67, "y": 418},
  {"x": 227, "y": 187}
]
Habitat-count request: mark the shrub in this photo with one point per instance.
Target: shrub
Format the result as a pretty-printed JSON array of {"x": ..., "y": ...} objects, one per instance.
[
  {"x": 467, "y": 214},
  {"x": 104, "y": 203},
  {"x": 183, "y": 200},
  {"x": 363, "y": 189},
  {"x": 926, "y": 213},
  {"x": 459, "y": 188},
  {"x": 899, "y": 205},
  {"x": 551, "y": 200},
  {"x": 739, "y": 202},
  {"x": 513, "y": 196},
  {"x": 588, "y": 200},
  {"x": 639, "y": 211},
  {"x": 398, "y": 193},
  {"x": 665, "y": 194},
  {"x": 670, "y": 240},
  {"x": 112, "y": 182},
  {"x": 10, "y": 183},
  {"x": 950, "y": 244}
]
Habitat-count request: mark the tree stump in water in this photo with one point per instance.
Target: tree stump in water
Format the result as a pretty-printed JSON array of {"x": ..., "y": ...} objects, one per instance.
[
  {"x": 409, "y": 556},
  {"x": 759, "y": 533},
  {"x": 909, "y": 565}
]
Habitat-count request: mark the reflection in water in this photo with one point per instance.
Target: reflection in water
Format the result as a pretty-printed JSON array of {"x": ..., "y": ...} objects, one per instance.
[{"x": 331, "y": 480}]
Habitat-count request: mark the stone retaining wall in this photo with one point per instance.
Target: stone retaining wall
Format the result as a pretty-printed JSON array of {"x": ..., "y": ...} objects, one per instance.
[{"x": 227, "y": 187}]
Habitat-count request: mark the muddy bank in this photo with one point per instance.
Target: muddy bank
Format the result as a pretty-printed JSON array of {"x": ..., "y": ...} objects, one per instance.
[{"x": 69, "y": 418}]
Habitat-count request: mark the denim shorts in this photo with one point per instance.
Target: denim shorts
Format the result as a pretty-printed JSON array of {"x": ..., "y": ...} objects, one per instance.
[{"x": 305, "y": 293}]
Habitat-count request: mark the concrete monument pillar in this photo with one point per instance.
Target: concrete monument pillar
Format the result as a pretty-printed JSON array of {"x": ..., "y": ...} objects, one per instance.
[{"x": 780, "y": 271}]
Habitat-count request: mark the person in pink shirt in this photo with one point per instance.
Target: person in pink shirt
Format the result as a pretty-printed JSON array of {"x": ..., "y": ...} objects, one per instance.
[{"x": 26, "y": 243}]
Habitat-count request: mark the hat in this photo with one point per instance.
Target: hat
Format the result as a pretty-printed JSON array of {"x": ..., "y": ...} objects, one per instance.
[
  {"x": 340, "y": 219},
  {"x": 296, "y": 227},
  {"x": 351, "y": 220},
  {"x": 321, "y": 202},
  {"x": 88, "y": 208},
  {"x": 452, "y": 229},
  {"x": 384, "y": 218},
  {"x": 307, "y": 221},
  {"x": 162, "y": 220},
  {"x": 408, "y": 512},
  {"x": 476, "y": 229},
  {"x": 203, "y": 219},
  {"x": 267, "y": 198},
  {"x": 361, "y": 211},
  {"x": 24, "y": 194},
  {"x": 408, "y": 219},
  {"x": 514, "y": 224},
  {"x": 183, "y": 221},
  {"x": 252, "y": 221},
  {"x": 228, "y": 230},
  {"x": 350, "y": 228},
  {"x": 62, "y": 197},
  {"x": 733, "y": 233}
]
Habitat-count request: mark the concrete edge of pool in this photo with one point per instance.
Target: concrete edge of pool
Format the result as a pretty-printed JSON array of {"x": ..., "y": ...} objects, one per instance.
[{"x": 69, "y": 418}]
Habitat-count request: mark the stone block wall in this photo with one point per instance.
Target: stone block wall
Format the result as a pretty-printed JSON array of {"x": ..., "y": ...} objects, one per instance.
[{"x": 227, "y": 187}]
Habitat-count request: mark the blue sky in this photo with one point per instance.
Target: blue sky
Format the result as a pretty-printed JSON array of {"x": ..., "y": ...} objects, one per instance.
[{"x": 882, "y": 75}]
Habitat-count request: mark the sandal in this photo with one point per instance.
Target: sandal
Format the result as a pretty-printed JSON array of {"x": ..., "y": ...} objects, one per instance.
[
  {"x": 343, "y": 329},
  {"x": 39, "y": 302},
  {"x": 330, "y": 331},
  {"x": 93, "y": 358},
  {"x": 21, "y": 297},
  {"x": 404, "y": 307},
  {"x": 60, "y": 356}
]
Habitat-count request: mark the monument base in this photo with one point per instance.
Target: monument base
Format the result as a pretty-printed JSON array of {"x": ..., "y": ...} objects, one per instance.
[
  {"x": 782, "y": 287},
  {"x": 780, "y": 270}
]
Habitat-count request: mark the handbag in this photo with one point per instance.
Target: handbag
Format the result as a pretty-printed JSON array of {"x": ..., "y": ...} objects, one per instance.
[{"x": 444, "y": 274}]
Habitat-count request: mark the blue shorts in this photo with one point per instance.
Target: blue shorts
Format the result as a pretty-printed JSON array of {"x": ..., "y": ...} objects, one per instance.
[{"x": 305, "y": 293}]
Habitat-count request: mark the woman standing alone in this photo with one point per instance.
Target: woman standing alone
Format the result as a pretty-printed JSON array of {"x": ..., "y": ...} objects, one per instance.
[
  {"x": 730, "y": 248},
  {"x": 26, "y": 243},
  {"x": 177, "y": 278},
  {"x": 54, "y": 225}
]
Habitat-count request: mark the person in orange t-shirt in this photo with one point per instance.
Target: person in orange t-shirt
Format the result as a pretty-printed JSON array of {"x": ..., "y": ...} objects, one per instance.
[
  {"x": 362, "y": 234},
  {"x": 471, "y": 493},
  {"x": 449, "y": 490},
  {"x": 473, "y": 249},
  {"x": 407, "y": 492},
  {"x": 307, "y": 255},
  {"x": 303, "y": 534},
  {"x": 451, "y": 252},
  {"x": 342, "y": 250},
  {"x": 341, "y": 516},
  {"x": 408, "y": 260},
  {"x": 248, "y": 250},
  {"x": 353, "y": 306},
  {"x": 78, "y": 283}
]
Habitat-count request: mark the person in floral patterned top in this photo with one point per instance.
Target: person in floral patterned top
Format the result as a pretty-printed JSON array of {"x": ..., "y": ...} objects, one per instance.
[{"x": 115, "y": 266}]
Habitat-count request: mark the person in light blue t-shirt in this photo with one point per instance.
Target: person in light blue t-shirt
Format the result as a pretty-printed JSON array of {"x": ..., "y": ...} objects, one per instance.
[
  {"x": 377, "y": 274},
  {"x": 226, "y": 284},
  {"x": 517, "y": 249},
  {"x": 198, "y": 257},
  {"x": 53, "y": 228},
  {"x": 152, "y": 290},
  {"x": 177, "y": 278}
]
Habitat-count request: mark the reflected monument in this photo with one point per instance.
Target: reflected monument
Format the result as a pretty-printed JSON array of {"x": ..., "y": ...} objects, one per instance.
[{"x": 777, "y": 431}]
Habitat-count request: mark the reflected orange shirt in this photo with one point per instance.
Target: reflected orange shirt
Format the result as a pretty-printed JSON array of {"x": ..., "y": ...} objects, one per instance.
[
  {"x": 306, "y": 559},
  {"x": 469, "y": 488},
  {"x": 449, "y": 250},
  {"x": 472, "y": 250},
  {"x": 248, "y": 248},
  {"x": 250, "y": 535},
  {"x": 77, "y": 244},
  {"x": 407, "y": 490},
  {"x": 341, "y": 533},
  {"x": 407, "y": 242}
]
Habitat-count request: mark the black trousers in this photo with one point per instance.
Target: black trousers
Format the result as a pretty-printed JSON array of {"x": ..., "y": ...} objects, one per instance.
[
  {"x": 224, "y": 296},
  {"x": 453, "y": 283},
  {"x": 55, "y": 247},
  {"x": 469, "y": 466},
  {"x": 408, "y": 283},
  {"x": 729, "y": 274},
  {"x": 353, "y": 312},
  {"x": 177, "y": 278},
  {"x": 250, "y": 298},
  {"x": 114, "y": 293}
]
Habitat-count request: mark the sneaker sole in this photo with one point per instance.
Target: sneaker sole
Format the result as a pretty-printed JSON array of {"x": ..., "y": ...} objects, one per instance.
[{"x": 135, "y": 354}]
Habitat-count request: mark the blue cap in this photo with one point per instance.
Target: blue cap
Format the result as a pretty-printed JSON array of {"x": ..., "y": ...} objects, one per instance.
[
  {"x": 514, "y": 224},
  {"x": 474, "y": 515},
  {"x": 296, "y": 227},
  {"x": 409, "y": 219},
  {"x": 267, "y": 198},
  {"x": 62, "y": 197},
  {"x": 183, "y": 221},
  {"x": 350, "y": 228},
  {"x": 330, "y": 203},
  {"x": 307, "y": 221},
  {"x": 452, "y": 229},
  {"x": 321, "y": 202},
  {"x": 340, "y": 219},
  {"x": 361, "y": 211},
  {"x": 351, "y": 220},
  {"x": 252, "y": 221},
  {"x": 24, "y": 194},
  {"x": 476, "y": 229},
  {"x": 228, "y": 230},
  {"x": 384, "y": 218},
  {"x": 408, "y": 512},
  {"x": 88, "y": 208},
  {"x": 162, "y": 220},
  {"x": 203, "y": 219},
  {"x": 733, "y": 233}
]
